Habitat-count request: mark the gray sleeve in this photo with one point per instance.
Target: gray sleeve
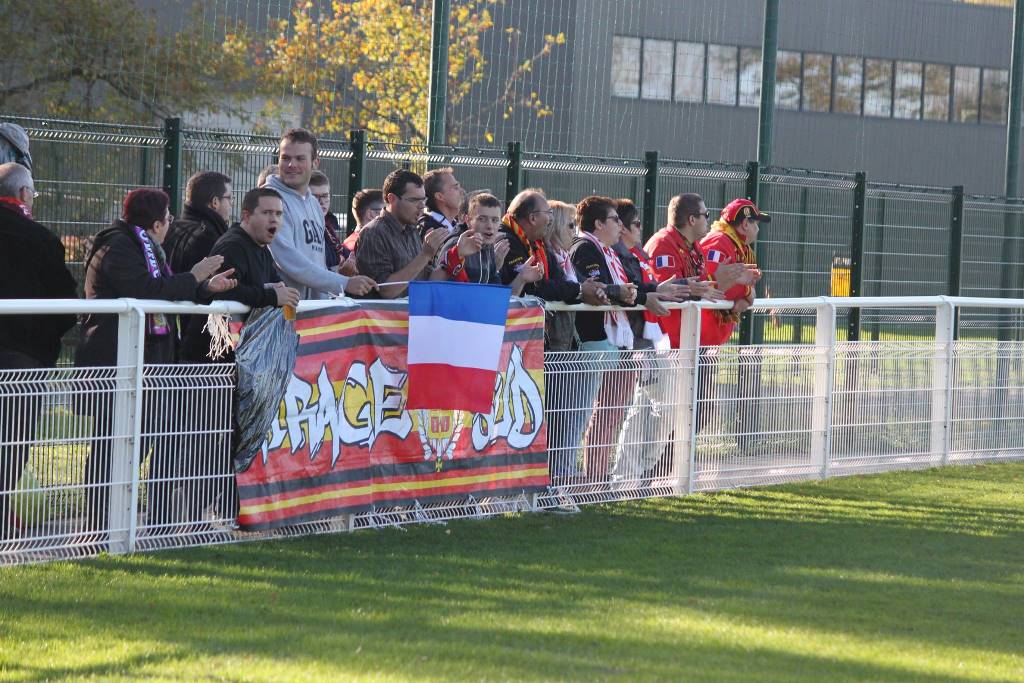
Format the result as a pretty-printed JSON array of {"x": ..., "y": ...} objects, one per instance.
[{"x": 294, "y": 264}]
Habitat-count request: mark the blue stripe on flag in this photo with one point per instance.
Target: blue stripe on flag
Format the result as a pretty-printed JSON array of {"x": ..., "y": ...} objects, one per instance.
[{"x": 485, "y": 304}]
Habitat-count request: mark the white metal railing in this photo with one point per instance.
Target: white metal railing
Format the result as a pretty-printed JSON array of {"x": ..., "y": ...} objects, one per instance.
[{"x": 136, "y": 456}]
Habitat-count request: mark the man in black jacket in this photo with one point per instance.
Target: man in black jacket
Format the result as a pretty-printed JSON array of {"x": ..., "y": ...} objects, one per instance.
[
  {"x": 190, "y": 239},
  {"x": 444, "y": 201},
  {"x": 31, "y": 267}
]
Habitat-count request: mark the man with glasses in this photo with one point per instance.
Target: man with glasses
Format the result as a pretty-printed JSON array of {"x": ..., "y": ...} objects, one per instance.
[
  {"x": 676, "y": 255},
  {"x": 390, "y": 248},
  {"x": 31, "y": 267},
  {"x": 444, "y": 201}
]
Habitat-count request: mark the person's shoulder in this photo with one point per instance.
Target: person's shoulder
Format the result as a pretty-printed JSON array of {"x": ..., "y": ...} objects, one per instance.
[
  {"x": 715, "y": 240},
  {"x": 659, "y": 240}
]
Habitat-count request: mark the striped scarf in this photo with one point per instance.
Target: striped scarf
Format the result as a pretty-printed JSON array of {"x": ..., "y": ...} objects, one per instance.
[
  {"x": 535, "y": 247},
  {"x": 616, "y": 325}
]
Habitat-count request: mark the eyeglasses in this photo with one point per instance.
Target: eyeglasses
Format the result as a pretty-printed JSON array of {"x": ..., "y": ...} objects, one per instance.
[
  {"x": 637, "y": 223},
  {"x": 321, "y": 197},
  {"x": 415, "y": 200},
  {"x": 706, "y": 214},
  {"x": 549, "y": 212},
  {"x": 613, "y": 217}
]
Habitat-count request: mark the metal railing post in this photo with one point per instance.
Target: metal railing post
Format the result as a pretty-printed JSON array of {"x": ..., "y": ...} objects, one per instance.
[
  {"x": 824, "y": 386},
  {"x": 956, "y": 244},
  {"x": 124, "y": 451},
  {"x": 438, "y": 95},
  {"x": 766, "y": 111},
  {"x": 860, "y": 193},
  {"x": 688, "y": 400},
  {"x": 356, "y": 173},
  {"x": 942, "y": 383},
  {"x": 513, "y": 172},
  {"x": 650, "y": 194},
  {"x": 172, "y": 162}
]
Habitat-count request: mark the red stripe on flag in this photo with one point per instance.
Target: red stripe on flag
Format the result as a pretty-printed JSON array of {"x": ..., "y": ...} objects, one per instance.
[{"x": 434, "y": 386}]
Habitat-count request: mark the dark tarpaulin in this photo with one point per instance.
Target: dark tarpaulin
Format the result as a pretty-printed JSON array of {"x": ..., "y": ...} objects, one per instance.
[{"x": 265, "y": 357}]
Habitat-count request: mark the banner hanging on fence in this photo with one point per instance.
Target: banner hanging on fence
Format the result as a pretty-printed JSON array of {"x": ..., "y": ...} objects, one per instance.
[{"x": 341, "y": 440}]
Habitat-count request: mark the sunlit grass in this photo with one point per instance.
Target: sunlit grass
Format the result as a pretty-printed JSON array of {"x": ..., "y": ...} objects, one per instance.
[{"x": 898, "y": 577}]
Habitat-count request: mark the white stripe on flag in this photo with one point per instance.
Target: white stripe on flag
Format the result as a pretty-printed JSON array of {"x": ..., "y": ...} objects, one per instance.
[{"x": 454, "y": 342}]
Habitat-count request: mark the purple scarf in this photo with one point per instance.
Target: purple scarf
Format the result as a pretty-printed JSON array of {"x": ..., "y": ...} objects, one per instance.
[{"x": 156, "y": 323}]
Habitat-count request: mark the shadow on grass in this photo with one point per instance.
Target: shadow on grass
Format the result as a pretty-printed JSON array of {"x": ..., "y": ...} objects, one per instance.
[{"x": 697, "y": 586}]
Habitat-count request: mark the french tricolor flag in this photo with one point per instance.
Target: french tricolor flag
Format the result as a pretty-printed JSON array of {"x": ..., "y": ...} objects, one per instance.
[{"x": 456, "y": 330}]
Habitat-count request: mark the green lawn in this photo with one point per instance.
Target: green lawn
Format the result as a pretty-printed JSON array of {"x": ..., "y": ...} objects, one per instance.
[{"x": 900, "y": 577}]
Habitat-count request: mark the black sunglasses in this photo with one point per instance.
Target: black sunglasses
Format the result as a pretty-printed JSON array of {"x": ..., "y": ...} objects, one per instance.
[{"x": 706, "y": 214}]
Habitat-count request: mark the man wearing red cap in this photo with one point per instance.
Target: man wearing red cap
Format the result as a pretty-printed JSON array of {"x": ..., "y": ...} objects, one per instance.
[{"x": 727, "y": 243}]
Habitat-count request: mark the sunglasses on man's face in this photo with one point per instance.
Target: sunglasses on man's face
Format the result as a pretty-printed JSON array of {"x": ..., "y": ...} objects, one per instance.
[{"x": 706, "y": 214}]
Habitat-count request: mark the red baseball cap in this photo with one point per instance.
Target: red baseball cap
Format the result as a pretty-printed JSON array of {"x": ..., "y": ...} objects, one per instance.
[{"x": 743, "y": 208}]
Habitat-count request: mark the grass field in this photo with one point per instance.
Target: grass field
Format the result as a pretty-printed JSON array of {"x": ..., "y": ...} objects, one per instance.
[{"x": 898, "y": 577}]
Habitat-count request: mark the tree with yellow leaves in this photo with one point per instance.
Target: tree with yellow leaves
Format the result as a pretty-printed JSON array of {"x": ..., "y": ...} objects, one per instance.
[{"x": 366, "y": 64}]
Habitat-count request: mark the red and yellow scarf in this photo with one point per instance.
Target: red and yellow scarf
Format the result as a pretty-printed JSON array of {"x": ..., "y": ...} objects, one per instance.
[{"x": 536, "y": 247}]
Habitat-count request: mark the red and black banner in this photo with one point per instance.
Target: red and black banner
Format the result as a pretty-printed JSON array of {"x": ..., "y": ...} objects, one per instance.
[{"x": 343, "y": 442}]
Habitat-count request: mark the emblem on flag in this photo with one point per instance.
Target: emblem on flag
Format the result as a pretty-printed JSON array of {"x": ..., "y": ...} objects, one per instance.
[
  {"x": 715, "y": 256},
  {"x": 664, "y": 262},
  {"x": 455, "y": 335}
]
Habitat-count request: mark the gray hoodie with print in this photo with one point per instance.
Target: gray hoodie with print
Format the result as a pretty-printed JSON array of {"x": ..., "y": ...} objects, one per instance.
[{"x": 298, "y": 248}]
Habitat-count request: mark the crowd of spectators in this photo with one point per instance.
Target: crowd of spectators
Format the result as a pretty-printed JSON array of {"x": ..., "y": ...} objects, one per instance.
[{"x": 288, "y": 246}]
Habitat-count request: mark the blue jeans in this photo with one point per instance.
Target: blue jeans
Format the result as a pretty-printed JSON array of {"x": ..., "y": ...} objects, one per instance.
[{"x": 574, "y": 389}]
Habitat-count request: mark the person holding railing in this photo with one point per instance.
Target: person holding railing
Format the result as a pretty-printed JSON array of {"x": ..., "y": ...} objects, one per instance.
[
  {"x": 31, "y": 267},
  {"x": 127, "y": 261}
]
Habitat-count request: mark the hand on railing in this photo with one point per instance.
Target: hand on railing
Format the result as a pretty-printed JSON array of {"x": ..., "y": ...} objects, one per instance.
[
  {"x": 674, "y": 290},
  {"x": 592, "y": 292},
  {"x": 702, "y": 289},
  {"x": 654, "y": 305},
  {"x": 360, "y": 285},
  {"x": 627, "y": 293}
]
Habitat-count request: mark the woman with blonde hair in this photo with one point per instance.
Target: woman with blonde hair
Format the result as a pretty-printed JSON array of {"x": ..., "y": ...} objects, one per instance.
[{"x": 560, "y": 233}]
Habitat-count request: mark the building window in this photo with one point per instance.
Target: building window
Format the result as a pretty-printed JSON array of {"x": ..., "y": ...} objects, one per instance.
[
  {"x": 849, "y": 79},
  {"x": 722, "y": 74},
  {"x": 787, "y": 80},
  {"x": 625, "y": 66},
  {"x": 966, "y": 83},
  {"x": 877, "y": 87},
  {"x": 995, "y": 95},
  {"x": 908, "y": 90},
  {"x": 750, "y": 76},
  {"x": 817, "y": 82},
  {"x": 656, "y": 83},
  {"x": 689, "y": 72},
  {"x": 936, "y": 92}
]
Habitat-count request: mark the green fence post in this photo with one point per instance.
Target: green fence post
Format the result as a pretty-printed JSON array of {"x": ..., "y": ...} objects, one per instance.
[
  {"x": 1013, "y": 118},
  {"x": 956, "y": 245},
  {"x": 513, "y": 171},
  {"x": 356, "y": 173},
  {"x": 747, "y": 335},
  {"x": 442, "y": 15},
  {"x": 876, "y": 325},
  {"x": 860, "y": 196},
  {"x": 172, "y": 163},
  {"x": 798, "y": 322},
  {"x": 769, "y": 47},
  {"x": 650, "y": 194}
]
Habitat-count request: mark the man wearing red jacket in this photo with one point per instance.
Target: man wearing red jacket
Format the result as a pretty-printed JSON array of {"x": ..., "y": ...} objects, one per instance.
[
  {"x": 729, "y": 242},
  {"x": 675, "y": 255}
]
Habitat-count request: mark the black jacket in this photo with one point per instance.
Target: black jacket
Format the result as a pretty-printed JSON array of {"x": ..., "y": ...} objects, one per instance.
[
  {"x": 427, "y": 222},
  {"x": 254, "y": 268},
  {"x": 588, "y": 261},
  {"x": 117, "y": 268},
  {"x": 190, "y": 239},
  {"x": 554, "y": 288},
  {"x": 32, "y": 267}
]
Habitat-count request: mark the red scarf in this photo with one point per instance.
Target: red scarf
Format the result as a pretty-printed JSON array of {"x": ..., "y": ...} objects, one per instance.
[
  {"x": 12, "y": 204},
  {"x": 536, "y": 247}
]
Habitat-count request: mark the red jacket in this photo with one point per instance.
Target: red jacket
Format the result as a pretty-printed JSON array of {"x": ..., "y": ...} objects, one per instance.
[
  {"x": 672, "y": 257},
  {"x": 719, "y": 249}
]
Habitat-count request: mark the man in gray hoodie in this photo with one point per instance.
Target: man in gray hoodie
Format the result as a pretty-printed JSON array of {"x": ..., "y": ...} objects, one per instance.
[{"x": 298, "y": 248}]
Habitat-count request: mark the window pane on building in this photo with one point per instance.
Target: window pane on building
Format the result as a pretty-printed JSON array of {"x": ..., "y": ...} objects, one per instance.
[
  {"x": 877, "y": 87},
  {"x": 849, "y": 78},
  {"x": 908, "y": 90},
  {"x": 689, "y": 72},
  {"x": 625, "y": 66},
  {"x": 787, "y": 80},
  {"x": 994, "y": 95},
  {"x": 656, "y": 83},
  {"x": 966, "y": 82},
  {"x": 936, "y": 92},
  {"x": 722, "y": 74},
  {"x": 817, "y": 82},
  {"x": 750, "y": 76}
]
